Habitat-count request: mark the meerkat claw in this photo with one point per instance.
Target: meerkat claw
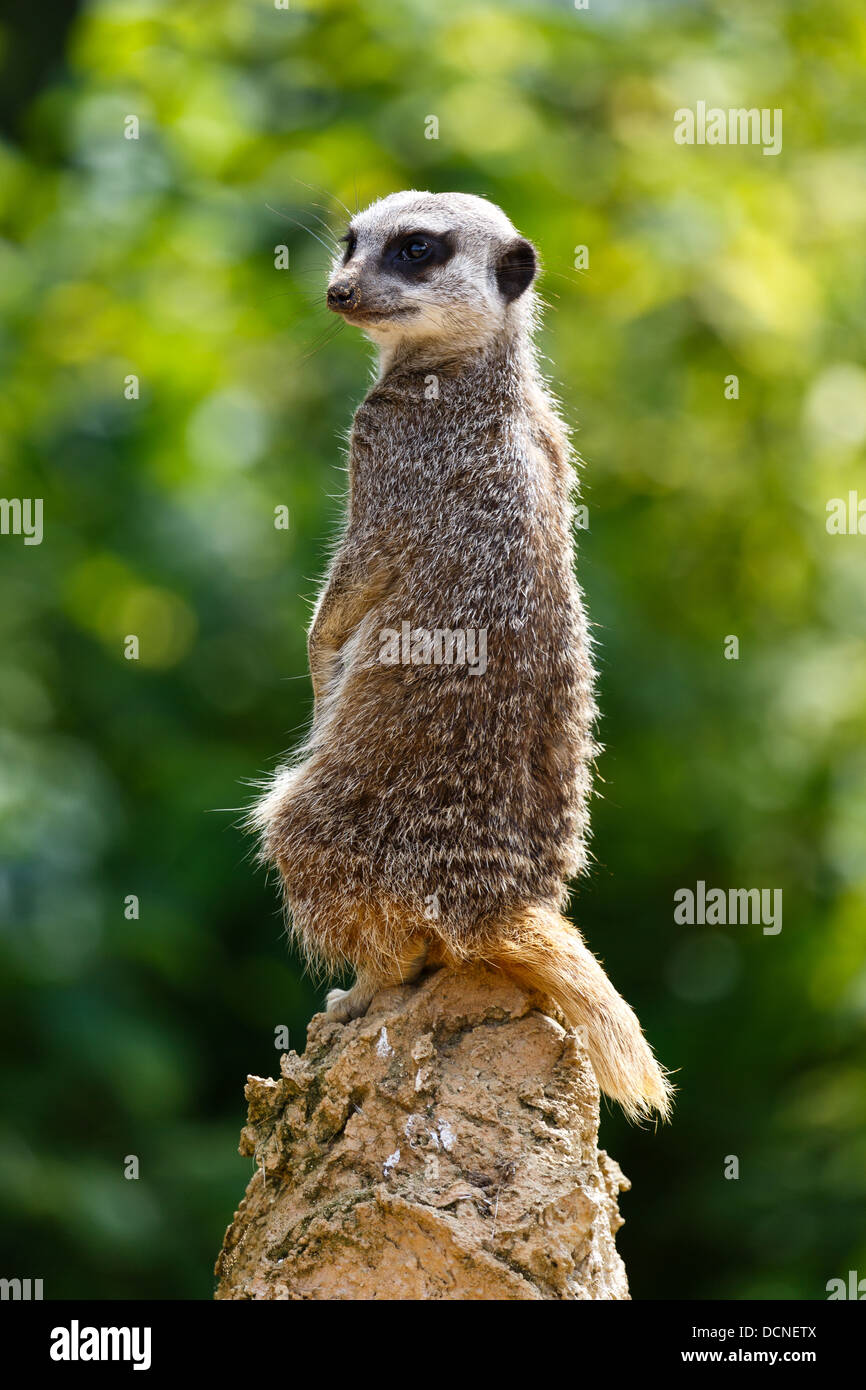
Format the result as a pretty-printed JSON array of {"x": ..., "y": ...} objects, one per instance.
[{"x": 345, "y": 1004}]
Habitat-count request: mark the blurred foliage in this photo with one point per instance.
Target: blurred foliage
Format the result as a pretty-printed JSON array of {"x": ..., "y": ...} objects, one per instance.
[{"x": 155, "y": 257}]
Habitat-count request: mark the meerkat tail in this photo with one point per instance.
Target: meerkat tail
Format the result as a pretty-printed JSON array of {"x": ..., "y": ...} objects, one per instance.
[{"x": 544, "y": 952}]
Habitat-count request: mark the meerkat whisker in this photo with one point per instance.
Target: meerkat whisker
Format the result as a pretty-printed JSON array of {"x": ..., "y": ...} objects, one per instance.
[
  {"x": 318, "y": 188},
  {"x": 331, "y": 249}
]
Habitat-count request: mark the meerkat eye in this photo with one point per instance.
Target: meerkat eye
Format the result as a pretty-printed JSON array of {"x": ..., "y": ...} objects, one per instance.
[
  {"x": 351, "y": 241},
  {"x": 408, "y": 253},
  {"x": 416, "y": 249}
]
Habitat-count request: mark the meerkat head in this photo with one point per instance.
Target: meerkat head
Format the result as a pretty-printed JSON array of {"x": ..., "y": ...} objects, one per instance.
[{"x": 442, "y": 271}]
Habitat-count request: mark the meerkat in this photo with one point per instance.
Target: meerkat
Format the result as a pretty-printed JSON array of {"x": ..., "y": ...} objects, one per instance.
[{"x": 438, "y": 806}]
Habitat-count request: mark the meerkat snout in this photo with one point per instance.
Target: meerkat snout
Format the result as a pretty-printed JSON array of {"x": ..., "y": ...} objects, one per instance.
[
  {"x": 343, "y": 297},
  {"x": 443, "y": 270}
]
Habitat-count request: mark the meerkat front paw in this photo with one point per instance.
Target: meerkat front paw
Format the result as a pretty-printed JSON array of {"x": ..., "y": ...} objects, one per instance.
[{"x": 346, "y": 1004}]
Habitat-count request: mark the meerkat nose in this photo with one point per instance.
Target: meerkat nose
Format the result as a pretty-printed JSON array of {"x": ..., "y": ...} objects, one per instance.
[{"x": 341, "y": 297}]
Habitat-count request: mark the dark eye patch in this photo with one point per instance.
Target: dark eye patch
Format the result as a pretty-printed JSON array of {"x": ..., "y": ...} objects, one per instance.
[
  {"x": 411, "y": 254},
  {"x": 351, "y": 241}
]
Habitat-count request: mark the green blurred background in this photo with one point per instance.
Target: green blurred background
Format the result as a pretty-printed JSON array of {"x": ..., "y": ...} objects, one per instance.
[{"x": 155, "y": 257}]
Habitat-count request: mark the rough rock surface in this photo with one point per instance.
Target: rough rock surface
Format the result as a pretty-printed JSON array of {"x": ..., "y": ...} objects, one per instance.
[{"x": 441, "y": 1147}]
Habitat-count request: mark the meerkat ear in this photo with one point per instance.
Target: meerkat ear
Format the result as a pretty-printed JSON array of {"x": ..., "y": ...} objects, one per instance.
[{"x": 515, "y": 269}]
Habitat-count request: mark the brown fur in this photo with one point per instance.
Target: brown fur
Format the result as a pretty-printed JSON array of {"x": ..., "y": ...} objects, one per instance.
[{"x": 430, "y": 805}]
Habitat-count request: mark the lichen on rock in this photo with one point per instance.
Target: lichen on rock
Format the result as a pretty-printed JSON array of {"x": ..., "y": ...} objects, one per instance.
[{"x": 444, "y": 1146}]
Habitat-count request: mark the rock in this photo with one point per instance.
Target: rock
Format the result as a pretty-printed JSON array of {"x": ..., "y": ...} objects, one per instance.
[{"x": 442, "y": 1147}]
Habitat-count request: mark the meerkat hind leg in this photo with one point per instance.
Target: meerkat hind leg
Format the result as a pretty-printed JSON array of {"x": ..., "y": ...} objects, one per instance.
[{"x": 346, "y": 1004}]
